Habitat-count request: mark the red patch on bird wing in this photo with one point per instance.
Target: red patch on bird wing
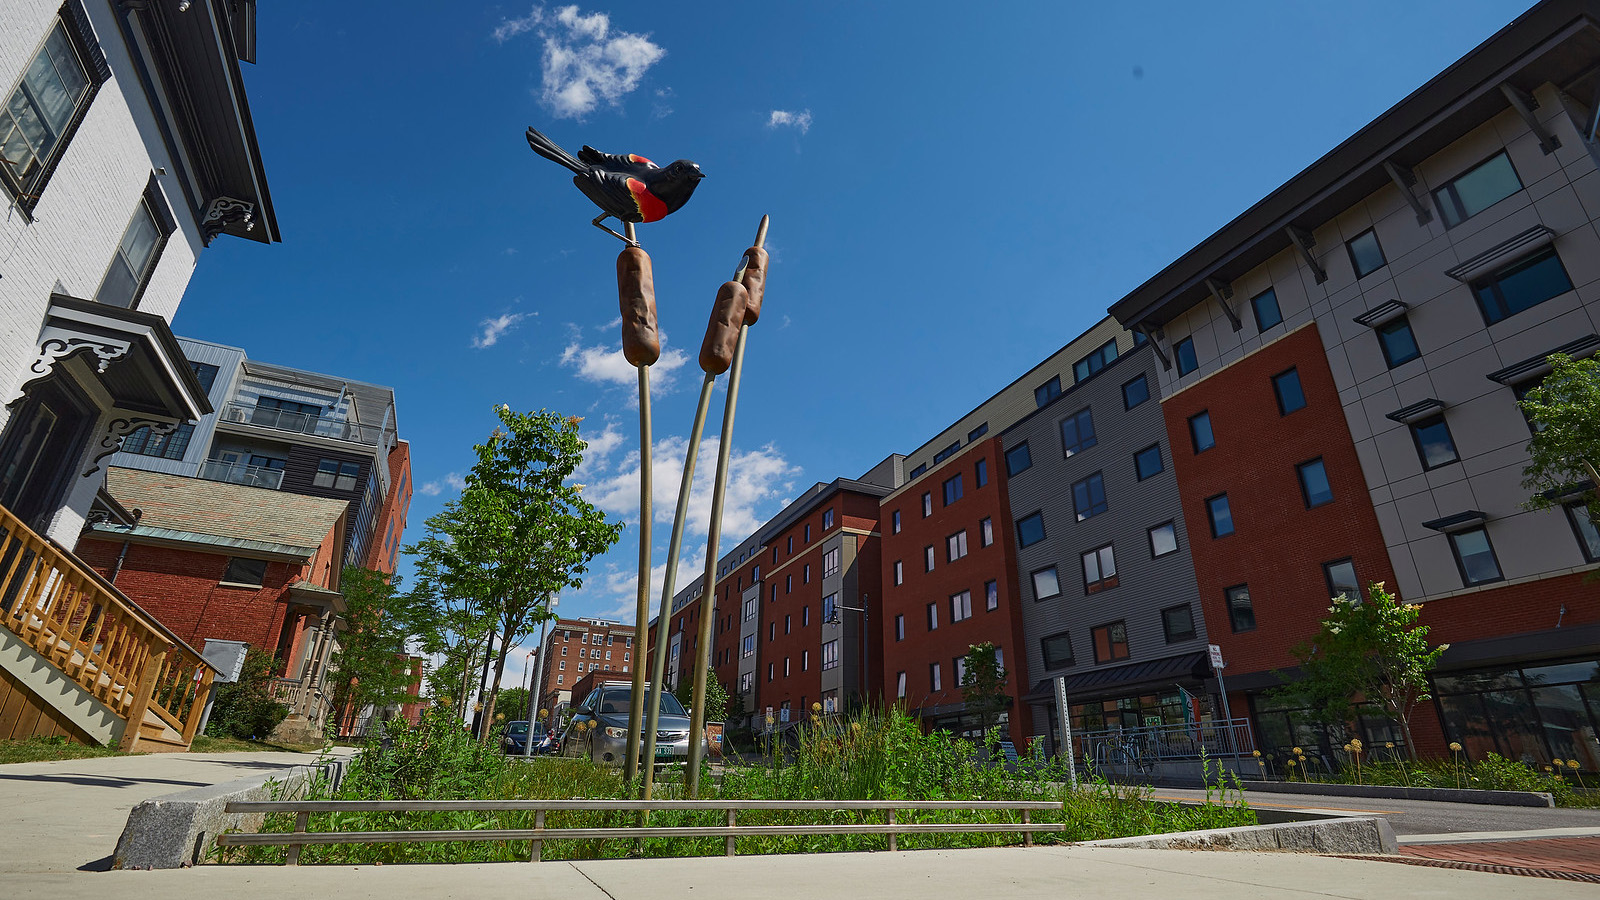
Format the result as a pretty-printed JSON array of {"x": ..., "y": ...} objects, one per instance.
[
  {"x": 648, "y": 204},
  {"x": 640, "y": 160}
]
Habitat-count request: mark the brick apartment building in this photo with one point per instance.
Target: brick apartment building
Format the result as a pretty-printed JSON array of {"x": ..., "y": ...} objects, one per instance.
[{"x": 574, "y": 648}]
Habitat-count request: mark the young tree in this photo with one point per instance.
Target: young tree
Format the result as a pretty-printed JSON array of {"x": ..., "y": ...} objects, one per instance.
[
  {"x": 1565, "y": 449},
  {"x": 983, "y": 684},
  {"x": 451, "y": 585},
  {"x": 372, "y": 667},
  {"x": 1369, "y": 650}
]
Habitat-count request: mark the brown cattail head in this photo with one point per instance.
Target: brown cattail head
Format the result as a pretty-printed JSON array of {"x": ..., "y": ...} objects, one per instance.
[
  {"x": 722, "y": 332},
  {"x": 755, "y": 282},
  {"x": 636, "y": 296}
]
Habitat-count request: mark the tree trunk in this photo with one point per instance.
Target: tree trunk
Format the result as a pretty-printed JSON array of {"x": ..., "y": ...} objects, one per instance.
[{"x": 494, "y": 687}]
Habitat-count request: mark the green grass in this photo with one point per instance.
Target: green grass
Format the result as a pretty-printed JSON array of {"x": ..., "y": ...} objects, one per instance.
[
  {"x": 870, "y": 758},
  {"x": 207, "y": 744},
  {"x": 45, "y": 749},
  {"x": 1569, "y": 787}
]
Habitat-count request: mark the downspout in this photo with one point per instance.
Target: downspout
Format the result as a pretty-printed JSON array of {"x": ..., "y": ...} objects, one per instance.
[{"x": 120, "y": 557}]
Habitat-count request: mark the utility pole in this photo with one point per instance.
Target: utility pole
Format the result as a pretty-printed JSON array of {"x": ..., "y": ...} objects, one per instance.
[{"x": 538, "y": 681}]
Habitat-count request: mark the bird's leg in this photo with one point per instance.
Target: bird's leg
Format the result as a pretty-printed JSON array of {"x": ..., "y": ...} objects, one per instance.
[{"x": 604, "y": 216}]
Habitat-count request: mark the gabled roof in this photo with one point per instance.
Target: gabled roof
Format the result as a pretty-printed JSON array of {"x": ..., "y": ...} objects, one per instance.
[{"x": 194, "y": 510}]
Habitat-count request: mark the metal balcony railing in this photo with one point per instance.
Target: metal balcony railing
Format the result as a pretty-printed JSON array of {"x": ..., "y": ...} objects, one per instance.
[
  {"x": 240, "y": 473},
  {"x": 100, "y": 639},
  {"x": 301, "y": 423}
]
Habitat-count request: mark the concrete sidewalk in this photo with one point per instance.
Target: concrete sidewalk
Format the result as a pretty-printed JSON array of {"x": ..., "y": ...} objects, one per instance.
[{"x": 62, "y": 816}]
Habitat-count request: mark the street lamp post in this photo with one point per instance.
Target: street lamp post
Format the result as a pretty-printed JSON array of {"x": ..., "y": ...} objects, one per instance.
[
  {"x": 537, "y": 679},
  {"x": 866, "y": 645}
]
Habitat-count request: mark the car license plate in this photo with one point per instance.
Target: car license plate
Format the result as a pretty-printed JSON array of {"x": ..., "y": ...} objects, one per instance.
[{"x": 663, "y": 753}]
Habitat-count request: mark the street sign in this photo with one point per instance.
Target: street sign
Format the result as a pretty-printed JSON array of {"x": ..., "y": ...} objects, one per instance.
[{"x": 1216, "y": 656}]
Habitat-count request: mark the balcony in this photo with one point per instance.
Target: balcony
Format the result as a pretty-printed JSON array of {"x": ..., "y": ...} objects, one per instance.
[
  {"x": 239, "y": 473},
  {"x": 301, "y": 423}
]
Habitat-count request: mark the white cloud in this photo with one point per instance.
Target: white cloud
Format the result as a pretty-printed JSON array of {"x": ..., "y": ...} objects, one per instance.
[
  {"x": 431, "y": 489},
  {"x": 781, "y": 118},
  {"x": 434, "y": 488},
  {"x": 756, "y": 479},
  {"x": 604, "y": 364},
  {"x": 455, "y": 481},
  {"x": 494, "y": 328},
  {"x": 584, "y": 60}
]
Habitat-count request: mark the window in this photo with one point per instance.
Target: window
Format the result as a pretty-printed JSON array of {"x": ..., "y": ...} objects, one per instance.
[
  {"x": 772, "y": 671},
  {"x": 1147, "y": 462},
  {"x": 560, "y": 679},
  {"x": 933, "y": 617},
  {"x": 927, "y": 558},
  {"x": 788, "y": 584},
  {"x": 805, "y": 574},
  {"x": 1520, "y": 391},
  {"x": 985, "y": 532},
  {"x": 1163, "y": 540},
  {"x": 1220, "y": 514},
  {"x": 827, "y": 519},
  {"x": 1397, "y": 342},
  {"x": 1341, "y": 578},
  {"x": 946, "y": 453},
  {"x": 1265, "y": 306},
  {"x": 1583, "y": 527},
  {"x": 894, "y": 522},
  {"x": 1475, "y": 556},
  {"x": 991, "y": 595},
  {"x": 1018, "y": 459},
  {"x": 790, "y": 551},
  {"x": 961, "y": 606},
  {"x": 900, "y": 628},
  {"x": 1094, "y": 362},
  {"x": 788, "y": 624},
  {"x": 805, "y": 616},
  {"x": 952, "y": 489},
  {"x": 1241, "y": 615},
  {"x": 1048, "y": 391},
  {"x": 1057, "y": 650},
  {"x": 1200, "y": 431},
  {"x": 750, "y": 609},
  {"x": 1077, "y": 432},
  {"x": 137, "y": 252},
  {"x": 808, "y": 532},
  {"x": 935, "y": 683},
  {"x": 1477, "y": 189},
  {"x": 341, "y": 476},
  {"x": 958, "y": 665},
  {"x": 45, "y": 107},
  {"x": 1314, "y": 487},
  {"x": 1099, "y": 569},
  {"x": 1089, "y": 497},
  {"x": 772, "y": 632},
  {"x": 830, "y": 563},
  {"x": 1030, "y": 530},
  {"x": 978, "y": 432},
  {"x": 980, "y": 472},
  {"x": 1286, "y": 387},
  {"x": 899, "y": 572},
  {"x": 916, "y": 472},
  {"x": 755, "y": 574},
  {"x": 748, "y": 648},
  {"x": 1521, "y": 285},
  {"x": 746, "y": 682},
  {"x": 1110, "y": 642},
  {"x": 1183, "y": 353},
  {"x": 927, "y": 504},
  {"x": 145, "y": 442},
  {"x": 1366, "y": 255},
  {"x": 1434, "y": 445},
  {"x": 206, "y": 374},
  {"x": 1046, "y": 584},
  {"x": 1135, "y": 392},
  {"x": 247, "y": 572},
  {"x": 900, "y": 685},
  {"x": 830, "y": 608},
  {"x": 956, "y": 546},
  {"x": 1177, "y": 622}
]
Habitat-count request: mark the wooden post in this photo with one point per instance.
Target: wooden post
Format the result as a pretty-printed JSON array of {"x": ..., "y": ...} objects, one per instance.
[
  {"x": 198, "y": 707},
  {"x": 538, "y": 843},
  {"x": 141, "y": 700},
  {"x": 728, "y": 847},
  {"x": 300, "y": 821},
  {"x": 894, "y": 843}
]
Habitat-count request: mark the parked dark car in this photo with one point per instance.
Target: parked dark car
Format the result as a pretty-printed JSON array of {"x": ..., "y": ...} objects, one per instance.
[
  {"x": 599, "y": 728},
  {"x": 516, "y": 735}
]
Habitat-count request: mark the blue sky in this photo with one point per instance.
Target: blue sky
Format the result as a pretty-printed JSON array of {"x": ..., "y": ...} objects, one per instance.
[{"x": 955, "y": 191}]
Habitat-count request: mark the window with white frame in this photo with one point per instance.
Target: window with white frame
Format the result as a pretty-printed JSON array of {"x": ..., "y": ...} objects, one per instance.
[
  {"x": 956, "y": 545},
  {"x": 961, "y": 606},
  {"x": 830, "y": 563},
  {"x": 830, "y": 654}
]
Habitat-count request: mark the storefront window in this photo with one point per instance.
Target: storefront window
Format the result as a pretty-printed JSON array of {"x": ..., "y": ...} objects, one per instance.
[{"x": 1530, "y": 715}]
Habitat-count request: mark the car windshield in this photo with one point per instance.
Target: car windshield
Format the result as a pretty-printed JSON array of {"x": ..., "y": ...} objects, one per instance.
[
  {"x": 517, "y": 728},
  {"x": 615, "y": 702}
]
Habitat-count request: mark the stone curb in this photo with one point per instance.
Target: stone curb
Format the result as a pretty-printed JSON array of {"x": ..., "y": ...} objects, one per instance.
[
  {"x": 1384, "y": 792},
  {"x": 177, "y": 830},
  {"x": 1340, "y": 835}
]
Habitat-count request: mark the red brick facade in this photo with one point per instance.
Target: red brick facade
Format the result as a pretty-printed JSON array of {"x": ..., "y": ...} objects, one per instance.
[{"x": 391, "y": 527}]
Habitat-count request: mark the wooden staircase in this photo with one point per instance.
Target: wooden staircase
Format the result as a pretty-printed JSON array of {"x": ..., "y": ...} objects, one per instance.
[{"x": 116, "y": 656}]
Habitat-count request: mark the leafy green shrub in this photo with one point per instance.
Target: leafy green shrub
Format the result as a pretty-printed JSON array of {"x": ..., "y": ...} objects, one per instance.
[{"x": 246, "y": 709}]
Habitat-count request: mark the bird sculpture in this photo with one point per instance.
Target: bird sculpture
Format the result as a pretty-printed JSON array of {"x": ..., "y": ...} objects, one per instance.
[{"x": 626, "y": 187}]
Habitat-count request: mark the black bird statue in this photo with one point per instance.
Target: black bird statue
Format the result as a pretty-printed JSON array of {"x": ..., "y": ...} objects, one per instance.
[{"x": 627, "y": 187}]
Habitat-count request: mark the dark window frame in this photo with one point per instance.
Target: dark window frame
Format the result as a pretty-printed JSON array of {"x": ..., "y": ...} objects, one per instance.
[
  {"x": 1416, "y": 439},
  {"x": 1573, "y": 510},
  {"x": 1048, "y": 391},
  {"x": 1461, "y": 566},
  {"x": 1036, "y": 514},
  {"x": 1150, "y": 538},
  {"x": 1093, "y": 508},
  {"x": 1033, "y": 582},
  {"x": 1094, "y": 362},
  {"x": 1186, "y": 363},
  {"x": 951, "y": 489},
  {"x": 1111, "y": 645},
  {"x": 1490, "y": 284},
  {"x": 1020, "y": 451},
  {"x": 1305, "y": 491},
  {"x": 1144, "y": 385},
  {"x": 1233, "y": 618},
  {"x": 1355, "y": 264},
  {"x": 1083, "y": 442},
  {"x": 980, "y": 474},
  {"x": 1138, "y": 463},
  {"x": 1456, "y": 208},
  {"x": 1104, "y": 582},
  {"x": 1166, "y": 624},
  {"x": 1394, "y": 326},
  {"x": 1211, "y": 516},
  {"x": 1276, "y": 309},
  {"x": 1194, "y": 436},
  {"x": 1054, "y": 661},
  {"x": 244, "y": 566},
  {"x": 1327, "y": 577},
  {"x": 1279, "y": 380}
]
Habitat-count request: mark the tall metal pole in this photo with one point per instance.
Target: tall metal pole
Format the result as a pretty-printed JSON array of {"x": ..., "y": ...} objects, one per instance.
[
  {"x": 658, "y": 668},
  {"x": 1066, "y": 731},
  {"x": 537, "y": 684},
  {"x": 642, "y": 613}
]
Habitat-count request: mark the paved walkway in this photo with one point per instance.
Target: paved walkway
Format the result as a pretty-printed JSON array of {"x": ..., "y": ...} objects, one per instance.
[
  {"x": 59, "y": 822},
  {"x": 1420, "y": 817},
  {"x": 1557, "y": 854}
]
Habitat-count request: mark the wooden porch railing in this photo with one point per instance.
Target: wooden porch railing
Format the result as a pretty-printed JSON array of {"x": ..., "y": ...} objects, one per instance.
[
  {"x": 100, "y": 639},
  {"x": 302, "y": 697}
]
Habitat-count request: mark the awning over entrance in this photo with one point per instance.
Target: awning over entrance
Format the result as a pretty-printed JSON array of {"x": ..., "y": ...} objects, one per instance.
[{"x": 1100, "y": 683}]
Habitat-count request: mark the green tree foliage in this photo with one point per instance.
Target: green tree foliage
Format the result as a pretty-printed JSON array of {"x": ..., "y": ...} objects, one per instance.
[
  {"x": 717, "y": 696},
  {"x": 513, "y": 703},
  {"x": 372, "y": 667},
  {"x": 245, "y": 709},
  {"x": 1562, "y": 453},
  {"x": 1371, "y": 651},
  {"x": 983, "y": 684}
]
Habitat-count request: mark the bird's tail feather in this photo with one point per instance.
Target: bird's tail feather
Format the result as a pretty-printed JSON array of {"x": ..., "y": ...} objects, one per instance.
[{"x": 552, "y": 151}]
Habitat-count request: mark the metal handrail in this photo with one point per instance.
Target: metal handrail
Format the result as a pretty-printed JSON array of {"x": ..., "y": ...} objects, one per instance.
[
  {"x": 1190, "y": 740},
  {"x": 301, "y": 423},
  {"x": 96, "y": 636},
  {"x": 538, "y": 834},
  {"x": 241, "y": 473}
]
